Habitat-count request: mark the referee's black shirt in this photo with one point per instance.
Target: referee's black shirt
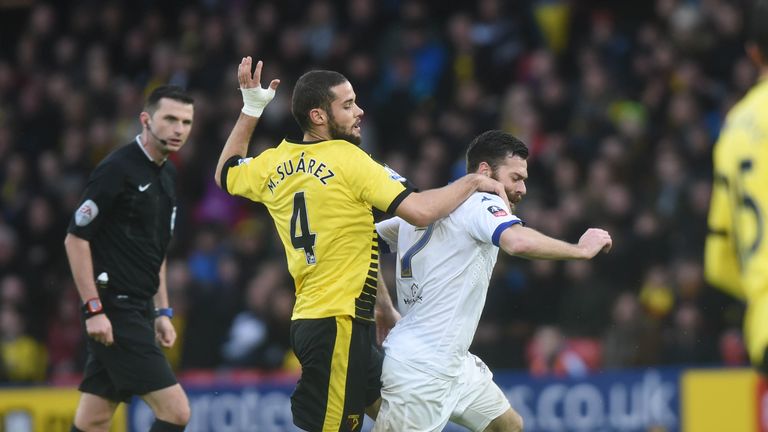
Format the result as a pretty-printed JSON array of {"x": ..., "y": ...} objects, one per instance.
[{"x": 127, "y": 213}]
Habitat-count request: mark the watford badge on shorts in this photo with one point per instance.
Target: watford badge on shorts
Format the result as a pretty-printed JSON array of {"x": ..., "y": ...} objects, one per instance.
[{"x": 353, "y": 422}]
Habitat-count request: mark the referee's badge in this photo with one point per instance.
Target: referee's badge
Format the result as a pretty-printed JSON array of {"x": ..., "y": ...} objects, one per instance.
[{"x": 86, "y": 213}]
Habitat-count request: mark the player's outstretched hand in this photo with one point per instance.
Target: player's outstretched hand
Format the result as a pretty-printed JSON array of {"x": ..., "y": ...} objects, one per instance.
[
  {"x": 99, "y": 328},
  {"x": 595, "y": 240},
  {"x": 255, "y": 98}
]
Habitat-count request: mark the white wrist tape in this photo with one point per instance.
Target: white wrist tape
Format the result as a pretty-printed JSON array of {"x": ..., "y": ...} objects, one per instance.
[{"x": 255, "y": 100}]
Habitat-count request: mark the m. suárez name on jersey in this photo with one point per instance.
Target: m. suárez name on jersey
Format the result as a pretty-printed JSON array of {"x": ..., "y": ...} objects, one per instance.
[{"x": 311, "y": 167}]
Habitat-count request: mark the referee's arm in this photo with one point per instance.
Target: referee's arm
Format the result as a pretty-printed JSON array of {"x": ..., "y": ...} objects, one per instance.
[
  {"x": 164, "y": 330},
  {"x": 79, "y": 255},
  {"x": 80, "y": 261},
  {"x": 161, "y": 298}
]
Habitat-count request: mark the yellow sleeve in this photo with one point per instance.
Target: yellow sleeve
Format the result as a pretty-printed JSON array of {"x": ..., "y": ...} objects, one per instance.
[
  {"x": 376, "y": 184},
  {"x": 721, "y": 259},
  {"x": 244, "y": 177}
]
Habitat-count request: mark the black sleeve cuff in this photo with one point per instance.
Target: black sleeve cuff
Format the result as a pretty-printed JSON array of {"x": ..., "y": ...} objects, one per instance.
[
  {"x": 231, "y": 162},
  {"x": 399, "y": 198}
]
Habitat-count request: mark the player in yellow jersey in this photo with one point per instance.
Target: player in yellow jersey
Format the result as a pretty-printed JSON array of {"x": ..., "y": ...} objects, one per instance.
[
  {"x": 736, "y": 254},
  {"x": 320, "y": 192}
]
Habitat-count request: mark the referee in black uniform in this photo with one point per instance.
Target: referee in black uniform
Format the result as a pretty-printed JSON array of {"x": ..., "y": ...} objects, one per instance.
[{"x": 116, "y": 245}]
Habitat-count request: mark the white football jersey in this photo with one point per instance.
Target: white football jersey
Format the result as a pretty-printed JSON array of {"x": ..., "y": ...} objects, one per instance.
[{"x": 443, "y": 272}]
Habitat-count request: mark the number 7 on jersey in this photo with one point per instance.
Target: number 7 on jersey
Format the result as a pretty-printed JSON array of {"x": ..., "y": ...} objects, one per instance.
[{"x": 306, "y": 240}]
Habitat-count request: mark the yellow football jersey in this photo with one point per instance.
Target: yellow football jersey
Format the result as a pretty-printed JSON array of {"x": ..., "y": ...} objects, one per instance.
[
  {"x": 320, "y": 196},
  {"x": 736, "y": 254}
]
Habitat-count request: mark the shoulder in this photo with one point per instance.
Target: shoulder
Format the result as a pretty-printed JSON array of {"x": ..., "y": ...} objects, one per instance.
[
  {"x": 266, "y": 155},
  {"x": 482, "y": 200},
  {"x": 351, "y": 160},
  {"x": 480, "y": 205},
  {"x": 263, "y": 159},
  {"x": 352, "y": 152},
  {"x": 116, "y": 162},
  {"x": 750, "y": 111}
]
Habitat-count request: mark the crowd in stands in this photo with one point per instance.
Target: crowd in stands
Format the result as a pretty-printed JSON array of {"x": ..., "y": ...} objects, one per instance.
[{"x": 619, "y": 102}]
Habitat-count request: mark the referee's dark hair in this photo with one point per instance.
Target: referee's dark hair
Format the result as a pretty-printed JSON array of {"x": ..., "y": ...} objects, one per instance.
[
  {"x": 492, "y": 147},
  {"x": 168, "y": 92},
  {"x": 757, "y": 33},
  {"x": 313, "y": 90}
]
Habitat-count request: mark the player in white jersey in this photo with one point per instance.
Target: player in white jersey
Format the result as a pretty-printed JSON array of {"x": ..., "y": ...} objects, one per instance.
[{"x": 429, "y": 376}]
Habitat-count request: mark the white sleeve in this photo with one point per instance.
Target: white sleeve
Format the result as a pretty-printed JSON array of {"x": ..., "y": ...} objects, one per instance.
[
  {"x": 487, "y": 217},
  {"x": 388, "y": 230}
]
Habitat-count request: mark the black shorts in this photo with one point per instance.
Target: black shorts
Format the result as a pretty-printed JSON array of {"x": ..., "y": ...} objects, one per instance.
[
  {"x": 340, "y": 373},
  {"x": 134, "y": 364}
]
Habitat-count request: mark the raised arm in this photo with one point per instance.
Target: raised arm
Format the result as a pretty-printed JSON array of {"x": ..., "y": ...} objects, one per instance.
[
  {"x": 526, "y": 242},
  {"x": 255, "y": 98},
  {"x": 423, "y": 208}
]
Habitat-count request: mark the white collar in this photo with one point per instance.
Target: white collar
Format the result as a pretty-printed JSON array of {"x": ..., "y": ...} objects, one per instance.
[{"x": 138, "y": 141}]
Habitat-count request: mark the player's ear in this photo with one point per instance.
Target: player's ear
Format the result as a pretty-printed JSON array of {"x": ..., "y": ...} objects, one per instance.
[
  {"x": 144, "y": 118},
  {"x": 484, "y": 169},
  {"x": 318, "y": 116}
]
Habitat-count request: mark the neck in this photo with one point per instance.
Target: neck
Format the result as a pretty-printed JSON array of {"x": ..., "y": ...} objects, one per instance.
[
  {"x": 146, "y": 141},
  {"x": 316, "y": 135}
]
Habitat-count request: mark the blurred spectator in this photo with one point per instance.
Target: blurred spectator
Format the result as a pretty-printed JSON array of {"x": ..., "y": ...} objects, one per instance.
[
  {"x": 550, "y": 353},
  {"x": 209, "y": 310},
  {"x": 686, "y": 342},
  {"x": 584, "y": 306},
  {"x": 178, "y": 280},
  {"x": 631, "y": 339},
  {"x": 656, "y": 294},
  {"x": 204, "y": 256},
  {"x": 64, "y": 338},
  {"x": 23, "y": 358},
  {"x": 733, "y": 353},
  {"x": 258, "y": 335}
]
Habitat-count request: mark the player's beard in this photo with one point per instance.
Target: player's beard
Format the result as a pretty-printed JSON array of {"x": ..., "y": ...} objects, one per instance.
[
  {"x": 512, "y": 198},
  {"x": 336, "y": 132}
]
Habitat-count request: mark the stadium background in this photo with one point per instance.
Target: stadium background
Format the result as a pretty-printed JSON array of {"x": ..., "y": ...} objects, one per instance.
[{"x": 619, "y": 102}]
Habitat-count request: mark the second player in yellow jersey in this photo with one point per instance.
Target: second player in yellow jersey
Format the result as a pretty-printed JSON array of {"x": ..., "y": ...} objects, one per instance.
[{"x": 736, "y": 253}]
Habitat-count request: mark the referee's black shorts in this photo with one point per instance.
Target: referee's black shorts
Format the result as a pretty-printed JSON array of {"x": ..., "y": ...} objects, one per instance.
[
  {"x": 134, "y": 364},
  {"x": 340, "y": 373}
]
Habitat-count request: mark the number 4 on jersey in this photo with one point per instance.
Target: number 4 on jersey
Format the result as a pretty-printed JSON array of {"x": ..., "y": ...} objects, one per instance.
[{"x": 305, "y": 240}]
